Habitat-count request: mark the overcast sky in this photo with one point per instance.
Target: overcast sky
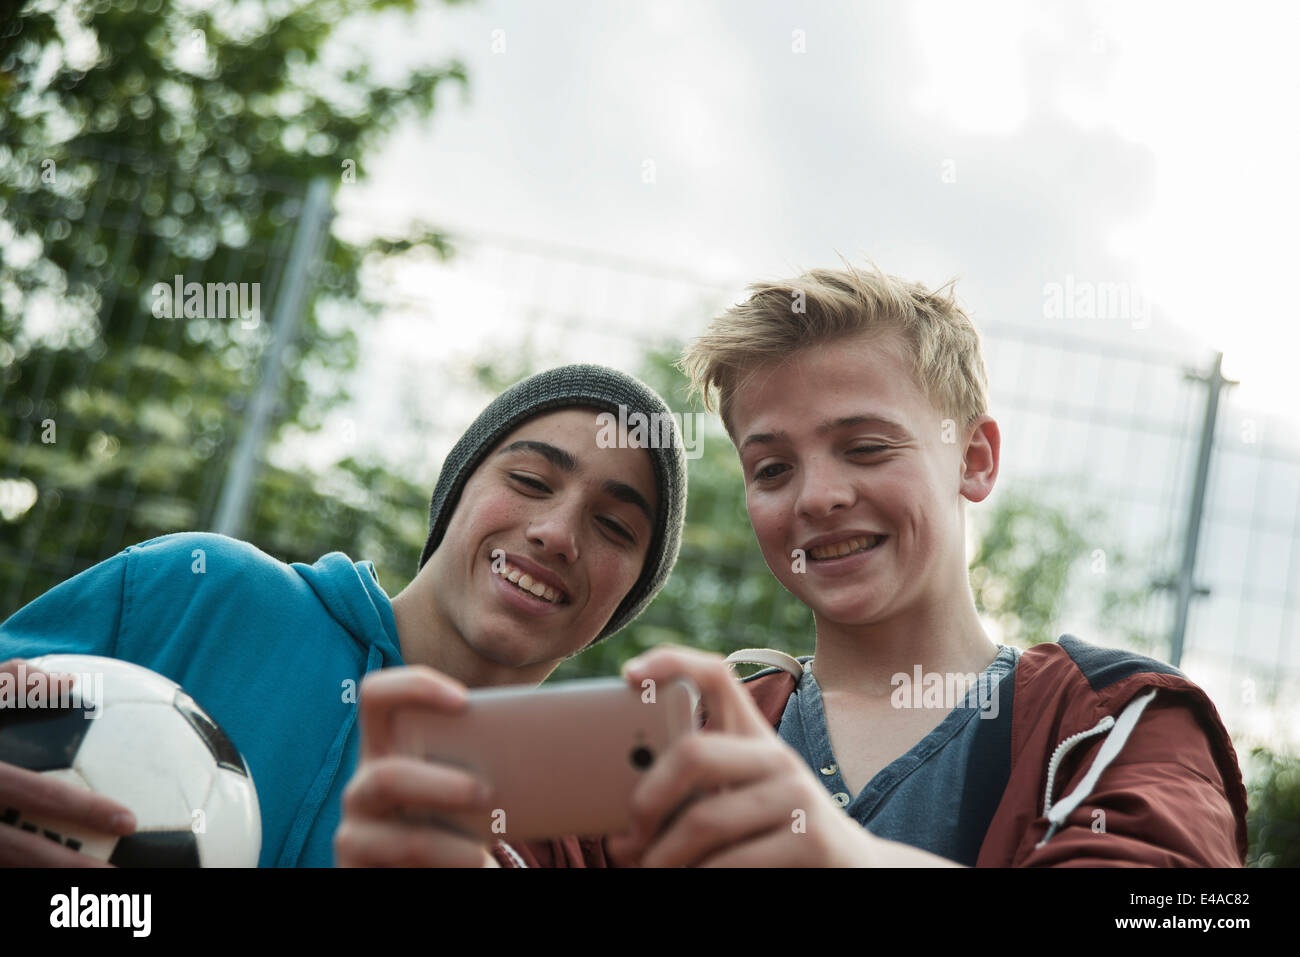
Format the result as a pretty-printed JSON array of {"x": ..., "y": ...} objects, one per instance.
[
  {"x": 1015, "y": 145},
  {"x": 1039, "y": 151}
]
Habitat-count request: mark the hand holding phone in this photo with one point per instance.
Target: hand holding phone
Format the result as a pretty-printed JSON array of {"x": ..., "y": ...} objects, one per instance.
[
  {"x": 561, "y": 759},
  {"x": 388, "y": 788},
  {"x": 735, "y": 795}
]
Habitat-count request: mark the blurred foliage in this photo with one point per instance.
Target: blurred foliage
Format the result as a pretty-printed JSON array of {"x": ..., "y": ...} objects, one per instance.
[
  {"x": 1029, "y": 553},
  {"x": 1273, "y": 820},
  {"x": 141, "y": 139},
  {"x": 361, "y": 509}
]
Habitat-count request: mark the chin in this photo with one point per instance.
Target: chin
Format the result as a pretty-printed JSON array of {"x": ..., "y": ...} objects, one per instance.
[
  {"x": 507, "y": 650},
  {"x": 854, "y": 619},
  {"x": 842, "y": 610}
]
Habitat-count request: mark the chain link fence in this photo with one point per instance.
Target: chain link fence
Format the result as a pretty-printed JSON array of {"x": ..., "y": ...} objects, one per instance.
[{"x": 1106, "y": 432}]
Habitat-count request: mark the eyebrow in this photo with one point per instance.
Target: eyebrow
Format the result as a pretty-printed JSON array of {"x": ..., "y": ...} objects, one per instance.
[
  {"x": 889, "y": 425},
  {"x": 566, "y": 462},
  {"x": 552, "y": 453}
]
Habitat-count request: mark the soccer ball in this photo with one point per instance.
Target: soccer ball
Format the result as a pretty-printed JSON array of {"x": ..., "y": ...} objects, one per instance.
[{"x": 137, "y": 738}]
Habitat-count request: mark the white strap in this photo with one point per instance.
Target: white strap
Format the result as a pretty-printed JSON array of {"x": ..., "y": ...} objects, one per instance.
[
  {"x": 769, "y": 657},
  {"x": 512, "y": 853},
  {"x": 1107, "y": 753}
]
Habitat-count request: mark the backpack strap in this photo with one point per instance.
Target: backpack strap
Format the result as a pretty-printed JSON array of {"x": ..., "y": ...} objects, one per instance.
[{"x": 769, "y": 657}]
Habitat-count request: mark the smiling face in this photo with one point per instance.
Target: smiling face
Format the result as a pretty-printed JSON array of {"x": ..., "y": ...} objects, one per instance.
[
  {"x": 845, "y": 458},
  {"x": 549, "y": 535}
]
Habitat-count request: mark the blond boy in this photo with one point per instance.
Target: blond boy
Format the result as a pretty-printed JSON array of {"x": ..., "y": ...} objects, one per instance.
[{"x": 858, "y": 404}]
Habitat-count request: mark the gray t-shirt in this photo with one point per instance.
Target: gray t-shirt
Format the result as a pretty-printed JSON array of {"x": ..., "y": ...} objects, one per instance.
[{"x": 918, "y": 798}]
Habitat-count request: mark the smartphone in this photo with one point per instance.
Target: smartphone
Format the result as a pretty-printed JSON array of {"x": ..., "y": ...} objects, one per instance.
[{"x": 561, "y": 759}]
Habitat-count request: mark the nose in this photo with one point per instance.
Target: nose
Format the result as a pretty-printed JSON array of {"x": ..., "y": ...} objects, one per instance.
[
  {"x": 554, "y": 528},
  {"x": 823, "y": 488}
]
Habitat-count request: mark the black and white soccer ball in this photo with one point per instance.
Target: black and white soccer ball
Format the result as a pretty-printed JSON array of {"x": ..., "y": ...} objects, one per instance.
[{"x": 152, "y": 749}]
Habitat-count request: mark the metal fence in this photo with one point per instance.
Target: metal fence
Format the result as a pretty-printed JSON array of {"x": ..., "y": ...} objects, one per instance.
[
  {"x": 1084, "y": 422},
  {"x": 65, "y": 409}
]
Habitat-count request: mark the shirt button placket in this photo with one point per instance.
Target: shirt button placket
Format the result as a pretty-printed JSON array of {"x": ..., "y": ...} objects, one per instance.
[{"x": 830, "y": 770}]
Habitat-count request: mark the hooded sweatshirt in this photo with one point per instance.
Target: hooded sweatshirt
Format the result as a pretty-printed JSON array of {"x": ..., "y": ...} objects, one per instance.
[{"x": 275, "y": 653}]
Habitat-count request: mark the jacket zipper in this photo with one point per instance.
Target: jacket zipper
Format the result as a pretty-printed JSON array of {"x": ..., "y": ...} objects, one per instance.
[
  {"x": 1110, "y": 749},
  {"x": 1062, "y": 750}
]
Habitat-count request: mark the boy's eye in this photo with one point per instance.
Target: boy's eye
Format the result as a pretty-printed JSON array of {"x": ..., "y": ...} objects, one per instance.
[
  {"x": 530, "y": 482},
  {"x": 618, "y": 529},
  {"x": 767, "y": 472},
  {"x": 614, "y": 526},
  {"x": 870, "y": 448}
]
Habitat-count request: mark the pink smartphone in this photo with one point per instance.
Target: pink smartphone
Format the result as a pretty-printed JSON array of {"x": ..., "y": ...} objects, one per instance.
[{"x": 561, "y": 759}]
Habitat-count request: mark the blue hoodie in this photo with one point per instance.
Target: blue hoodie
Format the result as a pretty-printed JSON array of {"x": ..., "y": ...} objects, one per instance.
[{"x": 274, "y": 652}]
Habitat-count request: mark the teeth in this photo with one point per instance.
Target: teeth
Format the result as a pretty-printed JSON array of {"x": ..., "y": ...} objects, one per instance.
[
  {"x": 526, "y": 582},
  {"x": 841, "y": 549}
]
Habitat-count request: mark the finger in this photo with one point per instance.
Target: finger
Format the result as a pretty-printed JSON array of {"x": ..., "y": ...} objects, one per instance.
[
  {"x": 19, "y": 848},
  {"x": 623, "y": 850},
  {"x": 396, "y": 784},
  {"x": 770, "y": 849},
  {"x": 41, "y": 794},
  {"x": 699, "y": 764},
  {"x": 727, "y": 820},
  {"x": 364, "y": 842},
  {"x": 415, "y": 686},
  {"x": 22, "y": 670},
  {"x": 730, "y": 707}
]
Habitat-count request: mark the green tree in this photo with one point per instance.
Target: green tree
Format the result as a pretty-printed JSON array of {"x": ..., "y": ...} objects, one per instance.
[
  {"x": 139, "y": 140},
  {"x": 1273, "y": 819},
  {"x": 1029, "y": 555}
]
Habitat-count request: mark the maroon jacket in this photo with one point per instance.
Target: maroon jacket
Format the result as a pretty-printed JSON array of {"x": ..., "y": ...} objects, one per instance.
[{"x": 1142, "y": 771}]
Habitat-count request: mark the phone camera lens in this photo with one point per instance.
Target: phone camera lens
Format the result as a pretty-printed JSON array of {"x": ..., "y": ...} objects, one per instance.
[{"x": 642, "y": 757}]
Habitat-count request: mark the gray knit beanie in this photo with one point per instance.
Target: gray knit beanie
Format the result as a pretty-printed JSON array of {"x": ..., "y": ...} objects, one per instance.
[{"x": 576, "y": 386}]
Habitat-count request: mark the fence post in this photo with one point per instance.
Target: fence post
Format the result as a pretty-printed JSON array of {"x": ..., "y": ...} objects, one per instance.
[
  {"x": 1184, "y": 585},
  {"x": 313, "y": 223}
]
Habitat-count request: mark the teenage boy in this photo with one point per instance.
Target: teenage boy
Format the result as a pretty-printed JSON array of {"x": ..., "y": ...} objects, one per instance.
[
  {"x": 541, "y": 541},
  {"x": 858, "y": 404}
]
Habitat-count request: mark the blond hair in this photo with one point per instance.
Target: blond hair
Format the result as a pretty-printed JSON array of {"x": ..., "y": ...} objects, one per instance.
[{"x": 826, "y": 305}]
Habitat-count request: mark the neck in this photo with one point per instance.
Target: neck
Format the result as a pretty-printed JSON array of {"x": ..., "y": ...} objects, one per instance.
[
  {"x": 940, "y": 637},
  {"x": 427, "y": 637}
]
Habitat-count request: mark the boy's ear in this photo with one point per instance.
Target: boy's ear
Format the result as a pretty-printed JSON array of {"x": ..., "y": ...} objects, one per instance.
[{"x": 979, "y": 467}]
